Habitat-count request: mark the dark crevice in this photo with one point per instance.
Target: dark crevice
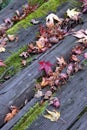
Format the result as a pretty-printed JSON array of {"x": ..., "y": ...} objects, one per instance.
[{"x": 79, "y": 116}]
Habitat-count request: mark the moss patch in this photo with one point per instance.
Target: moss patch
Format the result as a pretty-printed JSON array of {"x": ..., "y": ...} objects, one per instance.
[
  {"x": 85, "y": 62},
  {"x": 30, "y": 116},
  {"x": 15, "y": 61},
  {"x": 51, "y": 5}
]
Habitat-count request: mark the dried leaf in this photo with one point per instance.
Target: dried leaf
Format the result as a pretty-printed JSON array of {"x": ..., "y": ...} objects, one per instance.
[
  {"x": 70, "y": 69},
  {"x": 24, "y": 62},
  {"x": 44, "y": 82},
  {"x": 46, "y": 66},
  {"x": 85, "y": 55},
  {"x": 2, "y": 49},
  {"x": 61, "y": 61},
  {"x": 52, "y": 115},
  {"x": 73, "y": 14},
  {"x": 50, "y": 19},
  {"x": 80, "y": 34},
  {"x": 10, "y": 115},
  {"x": 11, "y": 37},
  {"x": 55, "y": 102},
  {"x": 33, "y": 21},
  {"x": 38, "y": 94},
  {"x": 1, "y": 63},
  {"x": 47, "y": 95},
  {"x": 74, "y": 58},
  {"x": 53, "y": 39},
  {"x": 24, "y": 54}
]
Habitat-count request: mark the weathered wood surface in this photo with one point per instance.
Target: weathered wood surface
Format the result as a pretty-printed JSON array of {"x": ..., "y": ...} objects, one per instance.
[
  {"x": 81, "y": 124},
  {"x": 10, "y": 9},
  {"x": 73, "y": 100},
  {"x": 21, "y": 87},
  {"x": 27, "y": 35}
]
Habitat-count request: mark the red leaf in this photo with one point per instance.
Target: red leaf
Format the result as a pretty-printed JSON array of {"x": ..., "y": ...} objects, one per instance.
[
  {"x": 46, "y": 66},
  {"x": 1, "y": 63}
]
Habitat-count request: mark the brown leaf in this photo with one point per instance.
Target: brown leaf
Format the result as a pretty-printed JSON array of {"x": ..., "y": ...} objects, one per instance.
[
  {"x": 11, "y": 37},
  {"x": 61, "y": 61},
  {"x": 2, "y": 49},
  {"x": 10, "y": 115},
  {"x": 24, "y": 54},
  {"x": 44, "y": 82},
  {"x": 24, "y": 62},
  {"x": 47, "y": 95},
  {"x": 74, "y": 58},
  {"x": 38, "y": 94}
]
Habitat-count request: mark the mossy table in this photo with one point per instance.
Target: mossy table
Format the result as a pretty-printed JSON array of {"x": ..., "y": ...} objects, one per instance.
[{"x": 18, "y": 89}]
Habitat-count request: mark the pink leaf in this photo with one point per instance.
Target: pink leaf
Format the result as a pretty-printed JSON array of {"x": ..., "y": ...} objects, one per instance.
[
  {"x": 1, "y": 63},
  {"x": 85, "y": 55},
  {"x": 46, "y": 66}
]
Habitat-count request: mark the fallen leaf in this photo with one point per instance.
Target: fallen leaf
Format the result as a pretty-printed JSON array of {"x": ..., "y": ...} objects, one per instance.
[
  {"x": 1, "y": 63},
  {"x": 46, "y": 66},
  {"x": 44, "y": 82},
  {"x": 85, "y": 55},
  {"x": 24, "y": 54},
  {"x": 61, "y": 61},
  {"x": 50, "y": 20},
  {"x": 2, "y": 49},
  {"x": 53, "y": 39},
  {"x": 70, "y": 69},
  {"x": 74, "y": 58},
  {"x": 24, "y": 62},
  {"x": 10, "y": 115},
  {"x": 11, "y": 37},
  {"x": 47, "y": 95},
  {"x": 52, "y": 115},
  {"x": 55, "y": 102},
  {"x": 33, "y": 21},
  {"x": 80, "y": 34},
  {"x": 38, "y": 94},
  {"x": 73, "y": 14}
]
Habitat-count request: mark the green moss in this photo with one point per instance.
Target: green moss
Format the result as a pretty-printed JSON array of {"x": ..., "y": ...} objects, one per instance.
[
  {"x": 30, "y": 116},
  {"x": 15, "y": 61},
  {"x": 85, "y": 63},
  {"x": 51, "y": 5}
]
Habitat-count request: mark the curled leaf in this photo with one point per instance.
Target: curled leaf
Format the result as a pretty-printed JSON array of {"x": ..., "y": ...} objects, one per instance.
[
  {"x": 50, "y": 19},
  {"x": 52, "y": 115},
  {"x": 10, "y": 115},
  {"x": 55, "y": 102},
  {"x": 61, "y": 61},
  {"x": 47, "y": 95},
  {"x": 44, "y": 82},
  {"x": 38, "y": 94}
]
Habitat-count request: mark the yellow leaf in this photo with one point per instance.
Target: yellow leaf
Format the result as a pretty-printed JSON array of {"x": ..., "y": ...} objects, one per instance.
[
  {"x": 52, "y": 115},
  {"x": 71, "y": 13},
  {"x": 2, "y": 49}
]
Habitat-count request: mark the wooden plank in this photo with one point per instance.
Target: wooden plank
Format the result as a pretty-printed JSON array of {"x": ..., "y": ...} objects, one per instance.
[
  {"x": 21, "y": 85},
  {"x": 27, "y": 35},
  {"x": 10, "y": 9},
  {"x": 73, "y": 100}
]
